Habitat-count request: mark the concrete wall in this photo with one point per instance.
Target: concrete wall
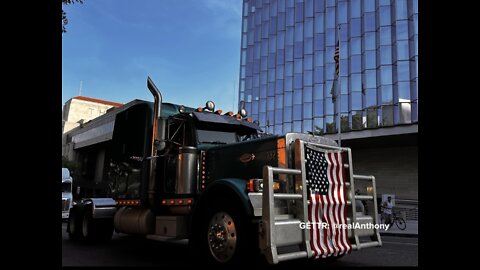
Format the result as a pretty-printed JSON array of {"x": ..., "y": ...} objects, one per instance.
[
  {"x": 76, "y": 110},
  {"x": 395, "y": 169}
]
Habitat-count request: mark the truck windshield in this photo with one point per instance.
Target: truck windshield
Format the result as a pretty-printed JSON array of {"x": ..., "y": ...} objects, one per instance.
[
  {"x": 66, "y": 187},
  {"x": 216, "y": 137}
]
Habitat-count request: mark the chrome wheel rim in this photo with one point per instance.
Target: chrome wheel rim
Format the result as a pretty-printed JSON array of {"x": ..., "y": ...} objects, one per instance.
[{"x": 222, "y": 237}]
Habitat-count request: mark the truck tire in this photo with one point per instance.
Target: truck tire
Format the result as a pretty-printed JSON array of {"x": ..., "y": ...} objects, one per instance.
[
  {"x": 74, "y": 226},
  {"x": 96, "y": 230},
  {"x": 225, "y": 235}
]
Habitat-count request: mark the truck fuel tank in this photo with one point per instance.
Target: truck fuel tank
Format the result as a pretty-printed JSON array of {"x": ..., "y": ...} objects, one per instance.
[{"x": 186, "y": 170}]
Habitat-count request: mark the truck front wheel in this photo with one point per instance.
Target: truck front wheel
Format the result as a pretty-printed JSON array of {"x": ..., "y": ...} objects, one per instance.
[
  {"x": 222, "y": 236},
  {"x": 226, "y": 235}
]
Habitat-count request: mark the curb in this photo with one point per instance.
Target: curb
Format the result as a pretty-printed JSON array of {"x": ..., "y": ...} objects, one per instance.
[{"x": 399, "y": 234}]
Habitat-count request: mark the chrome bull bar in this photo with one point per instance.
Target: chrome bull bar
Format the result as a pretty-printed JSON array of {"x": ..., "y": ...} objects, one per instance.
[{"x": 285, "y": 231}]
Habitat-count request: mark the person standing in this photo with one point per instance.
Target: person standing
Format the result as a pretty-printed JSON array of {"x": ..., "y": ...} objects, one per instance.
[{"x": 387, "y": 210}]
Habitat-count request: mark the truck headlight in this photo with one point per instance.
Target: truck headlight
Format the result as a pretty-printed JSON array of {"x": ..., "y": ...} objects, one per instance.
[{"x": 256, "y": 185}]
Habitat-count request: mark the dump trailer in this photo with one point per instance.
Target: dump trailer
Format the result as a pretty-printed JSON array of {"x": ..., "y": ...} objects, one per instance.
[{"x": 172, "y": 172}]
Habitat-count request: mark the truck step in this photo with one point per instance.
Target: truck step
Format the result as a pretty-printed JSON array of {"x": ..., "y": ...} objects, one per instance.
[
  {"x": 366, "y": 245},
  {"x": 292, "y": 256}
]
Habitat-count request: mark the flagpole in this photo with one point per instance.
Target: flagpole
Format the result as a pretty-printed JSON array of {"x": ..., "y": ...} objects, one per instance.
[{"x": 338, "y": 93}]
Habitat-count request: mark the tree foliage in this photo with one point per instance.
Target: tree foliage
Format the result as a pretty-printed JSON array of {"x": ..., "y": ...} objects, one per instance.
[{"x": 64, "y": 14}]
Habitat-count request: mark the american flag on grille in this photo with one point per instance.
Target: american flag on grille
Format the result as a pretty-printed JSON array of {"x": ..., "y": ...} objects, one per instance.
[{"x": 328, "y": 204}]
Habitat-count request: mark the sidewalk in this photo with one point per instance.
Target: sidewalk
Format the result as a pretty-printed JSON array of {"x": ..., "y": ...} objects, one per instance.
[{"x": 410, "y": 231}]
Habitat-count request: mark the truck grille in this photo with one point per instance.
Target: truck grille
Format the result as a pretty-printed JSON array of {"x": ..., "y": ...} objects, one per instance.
[{"x": 65, "y": 204}]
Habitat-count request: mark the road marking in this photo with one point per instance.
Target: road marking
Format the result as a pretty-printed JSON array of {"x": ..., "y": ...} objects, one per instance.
[{"x": 399, "y": 243}]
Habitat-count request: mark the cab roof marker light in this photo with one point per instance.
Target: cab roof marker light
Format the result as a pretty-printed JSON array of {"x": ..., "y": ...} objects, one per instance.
[
  {"x": 210, "y": 106},
  {"x": 243, "y": 112},
  {"x": 199, "y": 109},
  {"x": 229, "y": 113},
  {"x": 249, "y": 119},
  {"x": 181, "y": 109},
  {"x": 218, "y": 112}
]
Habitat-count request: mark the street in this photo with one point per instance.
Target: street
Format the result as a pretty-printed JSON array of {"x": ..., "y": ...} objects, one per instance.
[{"x": 126, "y": 250}]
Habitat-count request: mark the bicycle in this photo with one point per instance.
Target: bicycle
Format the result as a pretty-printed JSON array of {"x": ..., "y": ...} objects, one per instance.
[{"x": 399, "y": 221}]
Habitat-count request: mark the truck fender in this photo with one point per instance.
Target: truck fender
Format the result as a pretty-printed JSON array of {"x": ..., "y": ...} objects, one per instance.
[
  {"x": 101, "y": 207},
  {"x": 232, "y": 187}
]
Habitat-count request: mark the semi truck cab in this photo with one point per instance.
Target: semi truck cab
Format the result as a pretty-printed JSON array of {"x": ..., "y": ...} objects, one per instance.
[
  {"x": 67, "y": 198},
  {"x": 216, "y": 179}
]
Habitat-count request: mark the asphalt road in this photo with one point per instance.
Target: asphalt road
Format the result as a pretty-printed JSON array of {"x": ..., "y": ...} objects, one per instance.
[{"x": 125, "y": 250}]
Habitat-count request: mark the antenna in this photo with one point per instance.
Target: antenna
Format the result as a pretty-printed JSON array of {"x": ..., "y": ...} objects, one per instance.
[
  {"x": 233, "y": 103},
  {"x": 80, "y": 89}
]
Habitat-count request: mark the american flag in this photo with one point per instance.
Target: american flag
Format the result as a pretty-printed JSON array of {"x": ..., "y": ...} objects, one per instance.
[
  {"x": 336, "y": 57},
  {"x": 328, "y": 205}
]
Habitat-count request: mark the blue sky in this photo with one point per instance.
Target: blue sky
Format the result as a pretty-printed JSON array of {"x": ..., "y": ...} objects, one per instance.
[{"x": 190, "y": 48}]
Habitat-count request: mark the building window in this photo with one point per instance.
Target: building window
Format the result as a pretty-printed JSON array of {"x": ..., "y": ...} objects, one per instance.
[
  {"x": 403, "y": 70},
  {"x": 307, "y": 126},
  {"x": 356, "y": 27},
  {"x": 318, "y": 125},
  {"x": 372, "y": 117},
  {"x": 401, "y": 9},
  {"x": 287, "y": 114},
  {"x": 356, "y": 101},
  {"x": 385, "y": 55},
  {"x": 319, "y": 41},
  {"x": 370, "y": 97},
  {"x": 385, "y": 35},
  {"x": 385, "y": 19},
  {"x": 386, "y": 94},
  {"x": 298, "y": 12},
  {"x": 387, "y": 115},
  {"x": 404, "y": 92},
  {"x": 330, "y": 124},
  {"x": 357, "y": 120},
  {"x": 356, "y": 64},
  {"x": 330, "y": 17},
  {"x": 386, "y": 74},
  {"x": 369, "y": 19},
  {"x": 370, "y": 60},
  {"x": 355, "y": 10},
  {"x": 307, "y": 110},
  {"x": 318, "y": 108},
  {"x": 370, "y": 43},
  {"x": 402, "y": 30},
  {"x": 368, "y": 5},
  {"x": 319, "y": 25}
]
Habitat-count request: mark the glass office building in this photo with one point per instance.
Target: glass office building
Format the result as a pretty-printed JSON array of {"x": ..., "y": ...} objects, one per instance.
[{"x": 287, "y": 61}]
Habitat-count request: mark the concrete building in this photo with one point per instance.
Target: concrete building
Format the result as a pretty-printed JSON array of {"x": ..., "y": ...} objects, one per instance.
[
  {"x": 78, "y": 111},
  {"x": 291, "y": 81}
]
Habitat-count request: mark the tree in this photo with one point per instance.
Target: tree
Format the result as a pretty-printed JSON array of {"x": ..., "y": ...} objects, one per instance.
[{"x": 64, "y": 14}]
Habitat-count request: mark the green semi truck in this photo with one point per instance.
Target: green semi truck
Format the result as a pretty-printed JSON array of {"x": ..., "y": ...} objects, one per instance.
[{"x": 167, "y": 171}]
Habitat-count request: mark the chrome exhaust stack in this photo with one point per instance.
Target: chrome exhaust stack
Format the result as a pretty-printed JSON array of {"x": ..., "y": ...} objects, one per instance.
[{"x": 158, "y": 138}]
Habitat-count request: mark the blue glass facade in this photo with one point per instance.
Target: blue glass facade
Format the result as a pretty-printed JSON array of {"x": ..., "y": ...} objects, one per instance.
[{"x": 287, "y": 67}]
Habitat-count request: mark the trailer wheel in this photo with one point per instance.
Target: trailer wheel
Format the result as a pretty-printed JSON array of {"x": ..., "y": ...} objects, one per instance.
[
  {"x": 225, "y": 236},
  {"x": 74, "y": 226}
]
